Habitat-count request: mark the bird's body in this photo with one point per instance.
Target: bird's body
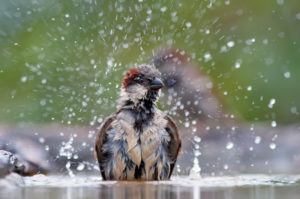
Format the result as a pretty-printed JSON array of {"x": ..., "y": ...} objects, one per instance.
[{"x": 138, "y": 142}]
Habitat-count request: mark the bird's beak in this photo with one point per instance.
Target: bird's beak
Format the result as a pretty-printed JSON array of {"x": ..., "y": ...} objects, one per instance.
[{"x": 156, "y": 83}]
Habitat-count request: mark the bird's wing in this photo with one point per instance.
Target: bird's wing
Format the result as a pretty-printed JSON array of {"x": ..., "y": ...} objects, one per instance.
[
  {"x": 175, "y": 143},
  {"x": 101, "y": 139}
]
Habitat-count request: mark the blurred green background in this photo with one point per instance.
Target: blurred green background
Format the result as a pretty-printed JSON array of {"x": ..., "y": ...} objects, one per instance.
[{"x": 61, "y": 61}]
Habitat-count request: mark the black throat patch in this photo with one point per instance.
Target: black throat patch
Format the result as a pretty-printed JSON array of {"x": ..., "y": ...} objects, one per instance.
[{"x": 143, "y": 111}]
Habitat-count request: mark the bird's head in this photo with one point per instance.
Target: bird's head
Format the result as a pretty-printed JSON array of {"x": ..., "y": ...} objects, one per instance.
[{"x": 142, "y": 82}]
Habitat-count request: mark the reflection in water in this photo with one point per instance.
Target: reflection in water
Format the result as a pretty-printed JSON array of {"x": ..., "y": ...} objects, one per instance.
[
  {"x": 150, "y": 191},
  {"x": 245, "y": 187},
  {"x": 145, "y": 191}
]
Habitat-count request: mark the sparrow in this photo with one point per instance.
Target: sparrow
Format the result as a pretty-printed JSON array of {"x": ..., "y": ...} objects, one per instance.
[{"x": 138, "y": 141}]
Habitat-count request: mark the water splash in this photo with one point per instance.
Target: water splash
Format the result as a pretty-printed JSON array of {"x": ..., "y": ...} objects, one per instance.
[
  {"x": 68, "y": 167},
  {"x": 67, "y": 149},
  {"x": 195, "y": 171}
]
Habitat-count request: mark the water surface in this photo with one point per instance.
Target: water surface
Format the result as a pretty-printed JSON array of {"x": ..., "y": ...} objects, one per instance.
[{"x": 245, "y": 186}]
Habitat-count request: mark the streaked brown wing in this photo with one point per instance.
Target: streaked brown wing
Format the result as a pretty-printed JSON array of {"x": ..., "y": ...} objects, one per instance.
[
  {"x": 100, "y": 140},
  {"x": 175, "y": 142}
]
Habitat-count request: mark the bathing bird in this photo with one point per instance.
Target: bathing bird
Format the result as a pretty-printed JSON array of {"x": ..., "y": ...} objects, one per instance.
[{"x": 138, "y": 141}]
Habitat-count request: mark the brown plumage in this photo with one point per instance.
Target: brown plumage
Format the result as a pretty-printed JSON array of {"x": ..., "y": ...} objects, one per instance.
[{"x": 138, "y": 142}]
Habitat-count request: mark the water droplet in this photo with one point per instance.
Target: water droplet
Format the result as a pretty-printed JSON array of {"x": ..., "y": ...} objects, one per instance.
[
  {"x": 197, "y": 139},
  {"x": 43, "y": 102},
  {"x": 100, "y": 120},
  {"x": 274, "y": 137},
  {"x": 230, "y": 44},
  {"x": 125, "y": 45},
  {"x": 287, "y": 75},
  {"x": 41, "y": 140},
  {"x": 207, "y": 57},
  {"x": 225, "y": 166},
  {"x": 188, "y": 24},
  {"x": 80, "y": 167},
  {"x": 229, "y": 145},
  {"x": 163, "y": 9},
  {"x": 178, "y": 168},
  {"x": 186, "y": 124},
  {"x": 92, "y": 61},
  {"x": 75, "y": 156},
  {"x": 271, "y": 103},
  {"x": 84, "y": 104},
  {"x": 250, "y": 41},
  {"x": 294, "y": 110},
  {"x": 186, "y": 113},
  {"x": 68, "y": 165},
  {"x": 197, "y": 153},
  {"x": 257, "y": 140},
  {"x": 44, "y": 81},
  {"x": 272, "y": 146},
  {"x": 24, "y": 79},
  {"x": 273, "y": 124},
  {"x": 237, "y": 64}
]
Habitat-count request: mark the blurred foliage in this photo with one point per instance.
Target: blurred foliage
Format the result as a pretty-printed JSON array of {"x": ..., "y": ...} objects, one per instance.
[{"x": 62, "y": 61}]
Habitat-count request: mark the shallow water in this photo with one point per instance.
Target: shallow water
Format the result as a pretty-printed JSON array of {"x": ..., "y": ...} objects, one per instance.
[{"x": 245, "y": 186}]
